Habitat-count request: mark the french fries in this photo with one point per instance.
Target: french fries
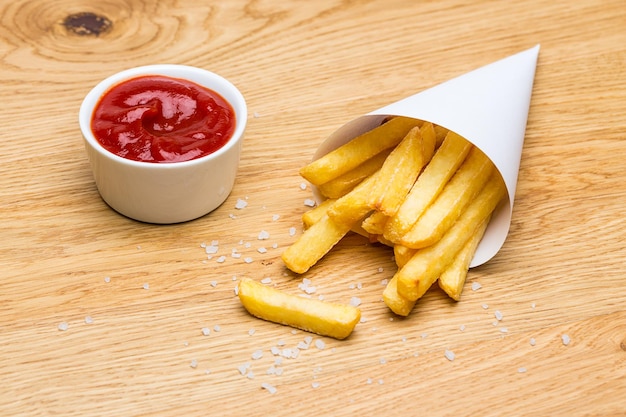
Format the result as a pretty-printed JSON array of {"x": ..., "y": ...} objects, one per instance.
[
  {"x": 312, "y": 315},
  {"x": 416, "y": 187}
]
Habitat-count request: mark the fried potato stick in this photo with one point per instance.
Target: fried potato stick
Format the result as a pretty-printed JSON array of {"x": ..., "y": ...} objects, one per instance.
[
  {"x": 341, "y": 185},
  {"x": 314, "y": 243},
  {"x": 423, "y": 269},
  {"x": 401, "y": 169},
  {"x": 452, "y": 280},
  {"x": 448, "y": 206},
  {"x": 309, "y": 314},
  {"x": 358, "y": 150},
  {"x": 429, "y": 184}
]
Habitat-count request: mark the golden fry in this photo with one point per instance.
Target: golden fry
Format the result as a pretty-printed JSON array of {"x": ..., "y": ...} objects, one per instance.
[
  {"x": 313, "y": 244},
  {"x": 402, "y": 254},
  {"x": 401, "y": 169},
  {"x": 423, "y": 269},
  {"x": 429, "y": 184},
  {"x": 456, "y": 195},
  {"x": 375, "y": 223},
  {"x": 312, "y": 315},
  {"x": 396, "y": 303},
  {"x": 358, "y": 150},
  {"x": 353, "y": 207},
  {"x": 316, "y": 213},
  {"x": 341, "y": 185},
  {"x": 452, "y": 280}
]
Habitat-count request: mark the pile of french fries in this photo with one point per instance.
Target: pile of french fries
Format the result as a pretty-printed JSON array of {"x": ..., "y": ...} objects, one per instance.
[{"x": 423, "y": 190}]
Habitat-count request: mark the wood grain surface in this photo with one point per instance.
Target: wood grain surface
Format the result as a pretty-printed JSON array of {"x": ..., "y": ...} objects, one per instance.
[{"x": 136, "y": 297}]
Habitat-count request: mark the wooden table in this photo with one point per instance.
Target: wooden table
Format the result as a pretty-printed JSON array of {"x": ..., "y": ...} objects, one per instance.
[{"x": 136, "y": 297}]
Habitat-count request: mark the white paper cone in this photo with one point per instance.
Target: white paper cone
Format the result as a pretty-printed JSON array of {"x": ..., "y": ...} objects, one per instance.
[{"x": 489, "y": 107}]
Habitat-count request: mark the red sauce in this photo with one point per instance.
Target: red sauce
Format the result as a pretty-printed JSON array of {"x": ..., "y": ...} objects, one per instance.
[{"x": 162, "y": 119}]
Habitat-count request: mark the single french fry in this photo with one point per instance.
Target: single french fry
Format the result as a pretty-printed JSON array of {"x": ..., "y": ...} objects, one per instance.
[
  {"x": 396, "y": 303},
  {"x": 309, "y": 314},
  {"x": 402, "y": 254},
  {"x": 314, "y": 243},
  {"x": 353, "y": 207},
  {"x": 452, "y": 280},
  {"x": 428, "y": 186},
  {"x": 341, "y": 185},
  {"x": 358, "y": 150},
  {"x": 375, "y": 223},
  {"x": 401, "y": 169},
  {"x": 423, "y": 269},
  {"x": 448, "y": 206},
  {"x": 316, "y": 213},
  {"x": 440, "y": 135}
]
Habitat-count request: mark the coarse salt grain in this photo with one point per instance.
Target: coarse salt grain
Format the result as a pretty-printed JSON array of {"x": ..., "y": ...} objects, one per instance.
[
  {"x": 247, "y": 260},
  {"x": 266, "y": 280},
  {"x": 498, "y": 315},
  {"x": 449, "y": 355},
  {"x": 194, "y": 363},
  {"x": 565, "y": 339},
  {"x": 88, "y": 320},
  {"x": 217, "y": 328},
  {"x": 268, "y": 387},
  {"x": 315, "y": 385},
  {"x": 292, "y": 231},
  {"x": 263, "y": 235},
  {"x": 213, "y": 284},
  {"x": 262, "y": 250},
  {"x": 521, "y": 370},
  {"x": 355, "y": 301},
  {"x": 241, "y": 204},
  {"x": 257, "y": 354},
  {"x": 107, "y": 279},
  {"x": 63, "y": 326},
  {"x": 309, "y": 202},
  {"x": 476, "y": 286},
  {"x": 243, "y": 368},
  {"x": 211, "y": 249},
  {"x": 485, "y": 306},
  {"x": 275, "y": 217},
  {"x": 146, "y": 286},
  {"x": 532, "y": 341},
  {"x": 319, "y": 343},
  {"x": 221, "y": 259},
  {"x": 303, "y": 186},
  {"x": 206, "y": 331}
]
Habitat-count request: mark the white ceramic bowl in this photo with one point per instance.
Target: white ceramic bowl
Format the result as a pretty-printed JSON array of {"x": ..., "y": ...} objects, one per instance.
[{"x": 165, "y": 192}]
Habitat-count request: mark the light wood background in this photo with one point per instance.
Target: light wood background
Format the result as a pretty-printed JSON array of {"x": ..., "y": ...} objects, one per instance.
[{"x": 305, "y": 69}]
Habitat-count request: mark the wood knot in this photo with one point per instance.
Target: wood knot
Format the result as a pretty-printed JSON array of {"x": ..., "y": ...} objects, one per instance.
[{"x": 87, "y": 24}]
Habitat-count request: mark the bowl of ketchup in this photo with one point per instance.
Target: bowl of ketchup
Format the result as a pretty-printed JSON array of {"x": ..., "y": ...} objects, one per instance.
[{"x": 164, "y": 141}]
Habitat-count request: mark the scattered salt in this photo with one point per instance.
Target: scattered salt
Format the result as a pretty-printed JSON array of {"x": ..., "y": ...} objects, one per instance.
[
  {"x": 565, "y": 339},
  {"x": 498, "y": 315},
  {"x": 211, "y": 249},
  {"x": 462, "y": 328},
  {"x": 532, "y": 341},
  {"x": 206, "y": 331},
  {"x": 241, "y": 204},
  {"x": 315, "y": 385},
  {"x": 292, "y": 231},
  {"x": 257, "y": 354},
  {"x": 380, "y": 269},
  {"x": 63, "y": 326},
  {"x": 476, "y": 286},
  {"x": 449, "y": 355},
  {"x": 303, "y": 186},
  {"x": 263, "y": 235},
  {"x": 355, "y": 301},
  {"x": 275, "y": 217},
  {"x": 266, "y": 280},
  {"x": 217, "y": 328},
  {"x": 146, "y": 286},
  {"x": 262, "y": 250},
  {"x": 251, "y": 332},
  {"x": 243, "y": 369},
  {"x": 382, "y": 361},
  {"x": 368, "y": 381},
  {"x": 270, "y": 388},
  {"x": 194, "y": 363},
  {"x": 504, "y": 330},
  {"x": 320, "y": 344},
  {"x": 88, "y": 320},
  {"x": 309, "y": 202},
  {"x": 107, "y": 279},
  {"x": 485, "y": 306},
  {"x": 521, "y": 370},
  {"x": 247, "y": 260},
  {"x": 213, "y": 284}
]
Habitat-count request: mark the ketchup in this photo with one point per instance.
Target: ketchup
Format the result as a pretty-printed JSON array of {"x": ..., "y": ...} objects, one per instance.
[{"x": 162, "y": 119}]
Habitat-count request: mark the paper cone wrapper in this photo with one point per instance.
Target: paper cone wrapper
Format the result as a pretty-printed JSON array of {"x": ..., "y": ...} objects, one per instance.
[{"x": 487, "y": 106}]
